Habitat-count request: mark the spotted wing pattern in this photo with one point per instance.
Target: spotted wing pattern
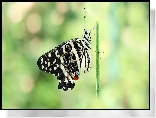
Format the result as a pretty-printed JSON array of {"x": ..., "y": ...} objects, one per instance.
[{"x": 65, "y": 60}]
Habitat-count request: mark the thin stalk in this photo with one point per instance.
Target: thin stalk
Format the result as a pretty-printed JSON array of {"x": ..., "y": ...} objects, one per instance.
[{"x": 97, "y": 61}]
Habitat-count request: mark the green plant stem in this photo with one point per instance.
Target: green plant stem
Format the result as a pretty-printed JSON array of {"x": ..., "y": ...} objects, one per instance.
[{"x": 97, "y": 61}]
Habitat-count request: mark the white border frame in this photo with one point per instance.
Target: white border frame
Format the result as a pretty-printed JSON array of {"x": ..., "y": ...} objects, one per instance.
[
  {"x": 4, "y": 113},
  {"x": 151, "y": 83}
]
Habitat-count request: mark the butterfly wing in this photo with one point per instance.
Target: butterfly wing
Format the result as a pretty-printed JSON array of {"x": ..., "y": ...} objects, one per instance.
[
  {"x": 49, "y": 62},
  {"x": 65, "y": 60},
  {"x": 57, "y": 62}
]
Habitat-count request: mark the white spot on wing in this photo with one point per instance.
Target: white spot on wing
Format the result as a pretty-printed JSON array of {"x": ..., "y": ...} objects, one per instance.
[
  {"x": 66, "y": 80},
  {"x": 41, "y": 60},
  {"x": 56, "y": 53},
  {"x": 48, "y": 64},
  {"x": 49, "y": 54},
  {"x": 42, "y": 66},
  {"x": 54, "y": 61}
]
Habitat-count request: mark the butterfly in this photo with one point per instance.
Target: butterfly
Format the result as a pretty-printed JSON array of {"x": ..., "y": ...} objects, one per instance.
[{"x": 65, "y": 60}]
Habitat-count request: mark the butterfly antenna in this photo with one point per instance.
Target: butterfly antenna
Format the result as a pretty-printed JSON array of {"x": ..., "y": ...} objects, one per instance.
[{"x": 92, "y": 29}]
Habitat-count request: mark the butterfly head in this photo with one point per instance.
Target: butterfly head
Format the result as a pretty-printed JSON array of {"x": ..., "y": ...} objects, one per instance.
[{"x": 86, "y": 34}]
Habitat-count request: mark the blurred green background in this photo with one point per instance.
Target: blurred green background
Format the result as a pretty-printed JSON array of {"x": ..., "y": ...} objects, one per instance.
[{"x": 31, "y": 29}]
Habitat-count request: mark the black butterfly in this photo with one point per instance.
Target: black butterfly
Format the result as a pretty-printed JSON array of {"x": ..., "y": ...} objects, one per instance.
[{"x": 65, "y": 60}]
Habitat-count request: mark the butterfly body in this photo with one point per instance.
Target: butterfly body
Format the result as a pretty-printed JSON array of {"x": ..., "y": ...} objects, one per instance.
[{"x": 65, "y": 60}]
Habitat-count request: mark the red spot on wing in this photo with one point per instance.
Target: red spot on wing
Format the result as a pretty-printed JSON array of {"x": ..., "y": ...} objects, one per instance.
[{"x": 76, "y": 78}]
